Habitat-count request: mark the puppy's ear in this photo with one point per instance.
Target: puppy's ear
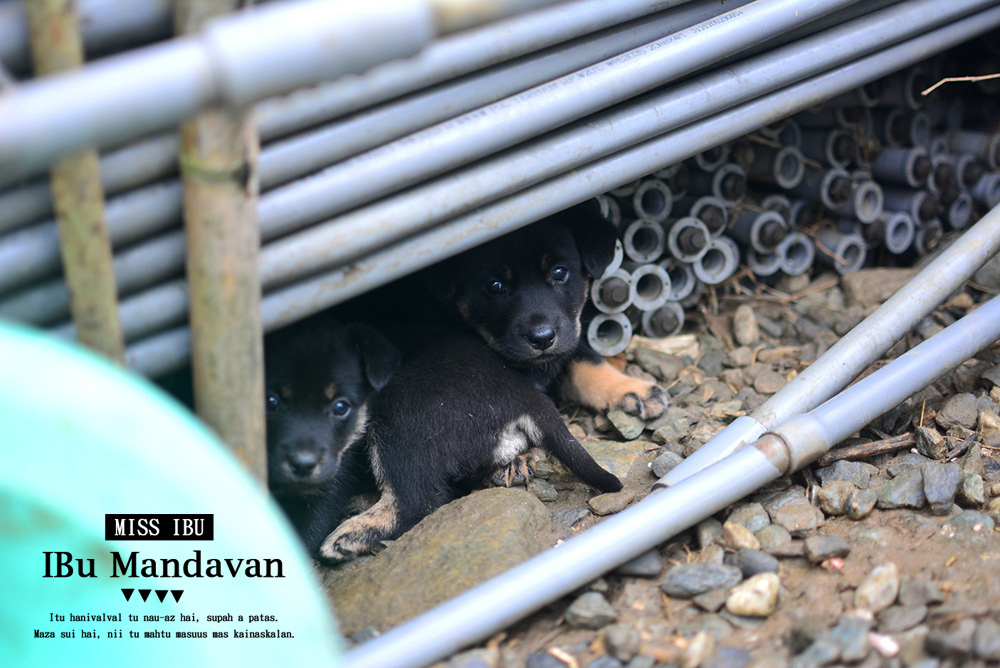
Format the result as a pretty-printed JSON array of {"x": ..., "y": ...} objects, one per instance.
[
  {"x": 594, "y": 234},
  {"x": 379, "y": 357},
  {"x": 439, "y": 280}
]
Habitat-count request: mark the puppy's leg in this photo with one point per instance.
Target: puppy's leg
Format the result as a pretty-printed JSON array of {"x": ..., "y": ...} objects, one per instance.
[
  {"x": 592, "y": 382},
  {"x": 361, "y": 533},
  {"x": 520, "y": 471}
]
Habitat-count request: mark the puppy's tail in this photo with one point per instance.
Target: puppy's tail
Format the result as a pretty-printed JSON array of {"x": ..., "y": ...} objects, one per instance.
[{"x": 567, "y": 449}]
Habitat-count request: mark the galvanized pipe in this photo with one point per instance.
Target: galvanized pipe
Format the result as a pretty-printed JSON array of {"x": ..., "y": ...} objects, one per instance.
[
  {"x": 612, "y": 292},
  {"x": 761, "y": 230},
  {"x": 844, "y": 252},
  {"x": 857, "y": 350},
  {"x": 899, "y": 231},
  {"x": 719, "y": 262},
  {"x": 687, "y": 239},
  {"x": 682, "y": 279},
  {"x": 289, "y": 304},
  {"x": 664, "y": 321},
  {"x": 609, "y": 333},
  {"x": 797, "y": 253},
  {"x": 650, "y": 286},
  {"x": 644, "y": 241},
  {"x": 728, "y": 183}
]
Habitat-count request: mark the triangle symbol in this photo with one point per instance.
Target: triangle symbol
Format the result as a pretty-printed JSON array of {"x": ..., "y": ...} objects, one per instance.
[
  {"x": 144, "y": 593},
  {"x": 127, "y": 593},
  {"x": 161, "y": 594},
  {"x": 177, "y": 594}
]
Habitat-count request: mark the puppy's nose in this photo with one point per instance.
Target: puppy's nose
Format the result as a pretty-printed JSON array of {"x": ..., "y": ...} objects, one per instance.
[
  {"x": 302, "y": 462},
  {"x": 541, "y": 337}
]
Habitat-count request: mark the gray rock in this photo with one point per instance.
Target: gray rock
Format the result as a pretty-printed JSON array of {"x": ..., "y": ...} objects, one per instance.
[
  {"x": 954, "y": 644},
  {"x": 906, "y": 490},
  {"x": 850, "y": 636},
  {"x": 972, "y": 492},
  {"x": 874, "y": 285},
  {"x": 646, "y": 565},
  {"x": 991, "y": 375},
  {"x": 988, "y": 275},
  {"x": 989, "y": 428},
  {"x": 605, "y": 661},
  {"x": 745, "y": 329},
  {"x": 711, "y": 361},
  {"x": 712, "y": 601},
  {"x": 743, "y": 356},
  {"x": 773, "y": 537},
  {"x": 729, "y": 657},
  {"x": 820, "y": 548},
  {"x": 665, "y": 462},
  {"x": 820, "y": 653},
  {"x": 757, "y": 596},
  {"x": 752, "y": 562},
  {"x": 908, "y": 462},
  {"x": 854, "y": 472},
  {"x": 750, "y": 515},
  {"x": 769, "y": 381},
  {"x": 642, "y": 661},
  {"x": 834, "y": 495},
  {"x": 543, "y": 489},
  {"x": 613, "y": 502},
  {"x": 972, "y": 520},
  {"x": 737, "y": 537},
  {"x": 899, "y": 618},
  {"x": 861, "y": 503},
  {"x": 986, "y": 640},
  {"x": 804, "y": 632},
  {"x": 713, "y": 554},
  {"x": 941, "y": 483},
  {"x": 622, "y": 641},
  {"x": 475, "y": 658},
  {"x": 544, "y": 660},
  {"x": 709, "y": 623},
  {"x": 708, "y": 531},
  {"x": 798, "y": 517},
  {"x": 688, "y": 580},
  {"x": 878, "y": 590},
  {"x": 959, "y": 409},
  {"x": 629, "y": 426},
  {"x": 918, "y": 591},
  {"x": 663, "y": 366},
  {"x": 590, "y": 611},
  {"x": 930, "y": 443},
  {"x": 487, "y": 533}
]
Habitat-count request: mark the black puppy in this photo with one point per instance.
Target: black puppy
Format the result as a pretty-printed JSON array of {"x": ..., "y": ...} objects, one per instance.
[
  {"x": 452, "y": 415},
  {"x": 524, "y": 293},
  {"x": 320, "y": 378}
]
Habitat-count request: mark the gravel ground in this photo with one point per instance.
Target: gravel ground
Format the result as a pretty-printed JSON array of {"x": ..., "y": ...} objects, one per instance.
[{"x": 884, "y": 560}]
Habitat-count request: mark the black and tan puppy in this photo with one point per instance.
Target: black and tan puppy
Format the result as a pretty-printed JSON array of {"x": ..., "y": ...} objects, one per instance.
[
  {"x": 320, "y": 378},
  {"x": 452, "y": 415},
  {"x": 524, "y": 293}
]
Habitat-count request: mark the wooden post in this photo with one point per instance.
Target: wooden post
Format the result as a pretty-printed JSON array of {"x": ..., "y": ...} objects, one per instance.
[
  {"x": 218, "y": 163},
  {"x": 77, "y": 195}
]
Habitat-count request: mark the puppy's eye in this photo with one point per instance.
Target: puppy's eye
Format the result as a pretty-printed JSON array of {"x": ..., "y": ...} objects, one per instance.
[
  {"x": 341, "y": 408},
  {"x": 493, "y": 287},
  {"x": 273, "y": 403},
  {"x": 560, "y": 274}
]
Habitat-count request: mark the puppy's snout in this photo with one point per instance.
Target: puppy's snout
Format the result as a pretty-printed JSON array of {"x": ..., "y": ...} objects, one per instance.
[
  {"x": 541, "y": 337},
  {"x": 303, "y": 462}
]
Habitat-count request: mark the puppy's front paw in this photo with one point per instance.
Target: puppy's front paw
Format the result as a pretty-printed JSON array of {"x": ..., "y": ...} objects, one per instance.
[
  {"x": 602, "y": 387},
  {"x": 518, "y": 472},
  {"x": 350, "y": 539},
  {"x": 644, "y": 399}
]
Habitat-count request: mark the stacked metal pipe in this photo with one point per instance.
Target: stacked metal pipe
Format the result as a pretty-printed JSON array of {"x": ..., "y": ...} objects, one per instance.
[{"x": 373, "y": 177}]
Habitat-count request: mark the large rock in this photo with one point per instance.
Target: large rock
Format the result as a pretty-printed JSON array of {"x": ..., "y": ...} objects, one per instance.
[
  {"x": 873, "y": 286},
  {"x": 454, "y": 549},
  {"x": 617, "y": 457}
]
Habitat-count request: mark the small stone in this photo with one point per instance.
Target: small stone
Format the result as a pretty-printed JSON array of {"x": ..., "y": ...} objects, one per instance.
[
  {"x": 665, "y": 462},
  {"x": 850, "y": 635},
  {"x": 989, "y": 429},
  {"x": 794, "y": 549},
  {"x": 708, "y": 531},
  {"x": 804, "y": 632},
  {"x": 861, "y": 503},
  {"x": 605, "y": 661},
  {"x": 689, "y": 580},
  {"x": 959, "y": 409},
  {"x": 740, "y": 357},
  {"x": 879, "y": 588},
  {"x": 752, "y": 562},
  {"x": 475, "y": 658},
  {"x": 711, "y": 361},
  {"x": 730, "y": 657},
  {"x": 565, "y": 519},
  {"x": 630, "y": 427},
  {"x": 930, "y": 442},
  {"x": 756, "y": 597},
  {"x": 798, "y": 517},
  {"x": 745, "y": 329},
  {"x": 544, "y": 660},
  {"x": 919, "y": 591},
  {"x": 833, "y": 496},
  {"x": 712, "y": 601},
  {"x": 751, "y": 515},
  {"x": 590, "y": 611},
  {"x": 543, "y": 489},
  {"x": 673, "y": 423},
  {"x": 713, "y": 554},
  {"x": 705, "y": 430},
  {"x": 622, "y": 641},
  {"x": 986, "y": 641},
  {"x": 738, "y": 537},
  {"x": 769, "y": 381},
  {"x": 701, "y": 646},
  {"x": 904, "y": 491},
  {"x": 855, "y": 472},
  {"x": 613, "y": 502},
  {"x": 772, "y": 537},
  {"x": 954, "y": 644},
  {"x": 820, "y": 548},
  {"x": 971, "y": 494},
  {"x": 972, "y": 520},
  {"x": 646, "y": 565},
  {"x": 662, "y": 365},
  {"x": 941, "y": 483},
  {"x": 908, "y": 462},
  {"x": 899, "y": 618}
]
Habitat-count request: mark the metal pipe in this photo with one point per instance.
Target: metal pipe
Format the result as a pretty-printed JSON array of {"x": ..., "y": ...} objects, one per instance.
[
  {"x": 797, "y": 253},
  {"x": 650, "y": 286},
  {"x": 667, "y": 320},
  {"x": 712, "y": 159},
  {"x": 728, "y": 183},
  {"x": 644, "y": 241},
  {"x": 899, "y": 231},
  {"x": 613, "y": 214},
  {"x": 903, "y": 88},
  {"x": 987, "y": 189},
  {"x": 903, "y": 166},
  {"x": 859, "y": 348},
  {"x": 762, "y": 264},
  {"x": 844, "y": 252},
  {"x": 959, "y": 213},
  {"x": 921, "y": 205},
  {"x": 682, "y": 279},
  {"x": 928, "y": 236},
  {"x": 983, "y": 145},
  {"x": 720, "y": 261},
  {"x": 469, "y": 137},
  {"x": 866, "y": 201},
  {"x": 834, "y": 146},
  {"x": 783, "y": 167},
  {"x": 831, "y": 187},
  {"x": 761, "y": 230},
  {"x": 899, "y": 128},
  {"x": 612, "y": 292},
  {"x": 236, "y": 60},
  {"x": 609, "y": 333},
  {"x": 713, "y": 212},
  {"x": 943, "y": 181},
  {"x": 488, "y": 607},
  {"x": 310, "y": 296},
  {"x": 687, "y": 239},
  {"x": 779, "y": 204},
  {"x": 652, "y": 200},
  {"x": 677, "y": 177}
]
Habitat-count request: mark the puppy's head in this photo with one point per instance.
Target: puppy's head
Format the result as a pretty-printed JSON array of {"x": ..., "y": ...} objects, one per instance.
[
  {"x": 523, "y": 293},
  {"x": 319, "y": 377}
]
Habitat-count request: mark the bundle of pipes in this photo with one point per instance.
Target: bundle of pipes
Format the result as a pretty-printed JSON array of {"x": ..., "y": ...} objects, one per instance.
[{"x": 565, "y": 103}]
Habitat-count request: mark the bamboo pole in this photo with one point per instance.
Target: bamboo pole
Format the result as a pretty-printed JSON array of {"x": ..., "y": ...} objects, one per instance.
[
  {"x": 78, "y": 199},
  {"x": 218, "y": 162}
]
